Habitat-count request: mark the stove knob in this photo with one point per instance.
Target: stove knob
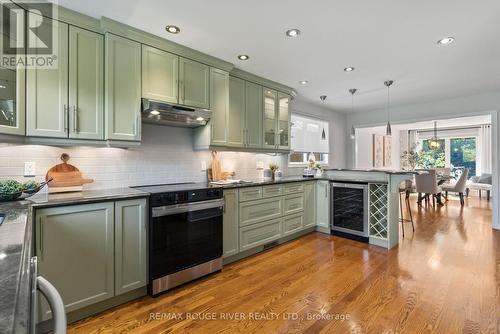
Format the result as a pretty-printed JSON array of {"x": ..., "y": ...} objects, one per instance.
[
  {"x": 210, "y": 193},
  {"x": 217, "y": 192}
]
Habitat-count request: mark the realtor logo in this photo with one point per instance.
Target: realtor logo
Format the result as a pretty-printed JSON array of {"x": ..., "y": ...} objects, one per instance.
[{"x": 28, "y": 34}]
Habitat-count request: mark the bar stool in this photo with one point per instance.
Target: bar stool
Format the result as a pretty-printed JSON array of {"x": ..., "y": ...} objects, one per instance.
[{"x": 406, "y": 190}]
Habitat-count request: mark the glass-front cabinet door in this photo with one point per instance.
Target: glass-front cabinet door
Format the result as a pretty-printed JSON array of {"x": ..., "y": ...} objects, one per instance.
[
  {"x": 283, "y": 121},
  {"x": 12, "y": 88},
  {"x": 270, "y": 118}
]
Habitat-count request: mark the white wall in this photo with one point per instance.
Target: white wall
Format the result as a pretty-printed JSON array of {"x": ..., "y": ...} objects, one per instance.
[
  {"x": 487, "y": 103},
  {"x": 364, "y": 147}
]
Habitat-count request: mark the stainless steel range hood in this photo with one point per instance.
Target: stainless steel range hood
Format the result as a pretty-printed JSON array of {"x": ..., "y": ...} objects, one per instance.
[{"x": 174, "y": 115}]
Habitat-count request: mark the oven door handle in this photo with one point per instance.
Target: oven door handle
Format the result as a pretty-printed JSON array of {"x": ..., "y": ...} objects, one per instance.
[{"x": 186, "y": 207}]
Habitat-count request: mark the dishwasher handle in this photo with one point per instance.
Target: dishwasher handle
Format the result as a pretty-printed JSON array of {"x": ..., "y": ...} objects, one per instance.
[{"x": 56, "y": 304}]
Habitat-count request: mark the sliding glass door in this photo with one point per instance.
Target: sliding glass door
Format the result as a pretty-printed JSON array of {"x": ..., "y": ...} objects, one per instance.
[{"x": 456, "y": 153}]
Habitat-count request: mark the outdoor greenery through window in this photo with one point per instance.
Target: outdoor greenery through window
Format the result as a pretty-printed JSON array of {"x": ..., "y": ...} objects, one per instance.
[{"x": 456, "y": 153}]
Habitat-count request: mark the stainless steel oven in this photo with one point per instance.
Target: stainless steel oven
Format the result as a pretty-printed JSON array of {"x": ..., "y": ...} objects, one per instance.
[
  {"x": 349, "y": 210},
  {"x": 185, "y": 234}
]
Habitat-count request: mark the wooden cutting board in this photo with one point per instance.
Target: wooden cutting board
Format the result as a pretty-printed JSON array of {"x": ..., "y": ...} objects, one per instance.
[
  {"x": 65, "y": 177},
  {"x": 215, "y": 172}
]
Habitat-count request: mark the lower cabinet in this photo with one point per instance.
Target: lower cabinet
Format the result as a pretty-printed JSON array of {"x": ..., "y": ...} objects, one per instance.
[
  {"x": 293, "y": 223},
  {"x": 230, "y": 223},
  {"x": 253, "y": 212},
  {"x": 309, "y": 204},
  {"x": 91, "y": 252},
  {"x": 260, "y": 234},
  {"x": 130, "y": 245},
  {"x": 323, "y": 206}
]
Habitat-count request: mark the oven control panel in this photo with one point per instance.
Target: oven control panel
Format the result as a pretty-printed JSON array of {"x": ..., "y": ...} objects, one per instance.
[{"x": 178, "y": 197}]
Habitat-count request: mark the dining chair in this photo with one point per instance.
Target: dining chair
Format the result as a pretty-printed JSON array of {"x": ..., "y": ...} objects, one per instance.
[
  {"x": 458, "y": 187},
  {"x": 426, "y": 182}
]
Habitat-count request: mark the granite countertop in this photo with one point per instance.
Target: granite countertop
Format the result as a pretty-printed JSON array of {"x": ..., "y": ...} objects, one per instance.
[
  {"x": 16, "y": 249},
  {"x": 396, "y": 172},
  {"x": 263, "y": 182}
]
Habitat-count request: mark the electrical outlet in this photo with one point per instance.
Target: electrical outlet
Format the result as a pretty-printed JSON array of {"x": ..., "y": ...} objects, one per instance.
[
  {"x": 203, "y": 165},
  {"x": 260, "y": 164},
  {"x": 29, "y": 168}
]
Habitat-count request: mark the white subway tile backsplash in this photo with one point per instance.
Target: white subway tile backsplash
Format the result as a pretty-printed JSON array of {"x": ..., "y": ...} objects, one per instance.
[{"x": 165, "y": 155}]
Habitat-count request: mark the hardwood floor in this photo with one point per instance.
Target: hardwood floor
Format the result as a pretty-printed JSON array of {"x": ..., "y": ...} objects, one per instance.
[{"x": 444, "y": 278}]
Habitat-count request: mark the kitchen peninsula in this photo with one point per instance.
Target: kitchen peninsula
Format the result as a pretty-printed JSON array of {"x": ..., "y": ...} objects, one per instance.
[{"x": 381, "y": 201}]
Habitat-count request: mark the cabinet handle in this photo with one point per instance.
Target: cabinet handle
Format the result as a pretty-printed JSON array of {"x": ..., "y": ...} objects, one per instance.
[
  {"x": 224, "y": 210},
  {"x": 138, "y": 125},
  {"x": 326, "y": 191},
  {"x": 40, "y": 238},
  {"x": 75, "y": 119},
  {"x": 65, "y": 117}
]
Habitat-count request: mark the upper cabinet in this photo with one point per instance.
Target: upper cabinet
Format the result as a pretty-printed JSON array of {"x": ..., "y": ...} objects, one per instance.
[
  {"x": 86, "y": 84},
  {"x": 160, "y": 71},
  {"x": 12, "y": 93},
  {"x": 236, "y": 113},
  {"x": 194, "y": 84},
  {"x": 47, "y": 104},
  {"x": 123, "y": 88},
  {"x": 68, "y": 101},
  {"x": 270, "y": 118},
  {"x": 166, "y": 77},
  {"x": 283, "y": 121},
  {"x": 219, "y": 95},
  {"x": 253, "y": 115}
]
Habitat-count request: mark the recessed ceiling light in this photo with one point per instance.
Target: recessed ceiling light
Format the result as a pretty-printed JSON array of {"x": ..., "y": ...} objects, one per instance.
[
  {"x": 446, "y": 41},
  {"x": 154, "y": 112},
  {"x": 293, "y": 32},
  {"x": 243, "y": 57},
  {"x": 349, "y": 69},
  {"x": 199, "y": 119},
  {"x": 173, "y": 29},
  {"x": 303, "y": 82}
]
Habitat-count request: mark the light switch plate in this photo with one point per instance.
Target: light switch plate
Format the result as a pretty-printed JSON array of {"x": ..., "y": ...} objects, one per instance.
[
  {"x": 260, "y": 164},
  {"x": 203, "y": 165},
  {"x": 29, "y": 168}
]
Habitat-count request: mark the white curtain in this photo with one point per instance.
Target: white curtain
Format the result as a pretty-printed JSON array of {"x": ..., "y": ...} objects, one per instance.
[
  {"x": 484, "y": 143},
  {"x": 412, "y": 139}
]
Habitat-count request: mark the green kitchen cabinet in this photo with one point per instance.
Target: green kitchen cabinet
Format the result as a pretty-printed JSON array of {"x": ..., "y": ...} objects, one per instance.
[
  {"x": 253, "y": 115},
  {"x": 122, "y": 88},
  {"x": 323, "y": 206},
  {"x": 253, "y": 212},
  {"x": 293, "y": 223},
  {"x": 270, "y": 118},
  {"x": 309, "y": 204},
  {"x": 86, "y": 84},
  {"x": 260, "y": 234},
  {"x": 230, "y": 223},
  {"x": 47, "y": 88},
  {"x": 219, "y": 97},
  {"x": 194, "y": 83},
  {"x": 67, "y": 101},
  {"x": 130, "y": 245},
  {"x": 283, "y": 121},
  {"x": 160, "y": 72},
  {"x": 236, "y": 113},
  {"x": 75, "y": 250},
  {"x": 12, "y": 101}
]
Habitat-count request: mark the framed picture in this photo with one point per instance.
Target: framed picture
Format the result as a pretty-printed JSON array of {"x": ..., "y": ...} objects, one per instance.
[
  {"x": 387, "y": 151},
  {"x": 378, "y": 151}
]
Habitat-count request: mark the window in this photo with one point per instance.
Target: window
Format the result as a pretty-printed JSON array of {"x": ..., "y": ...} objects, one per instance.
[
  {"x": 309, "y": 135},
  {"x": 454, "y": 152},
  {"x": 302, "y": 158}
]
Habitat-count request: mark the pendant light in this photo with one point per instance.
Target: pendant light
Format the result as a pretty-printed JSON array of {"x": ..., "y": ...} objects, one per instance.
[
  {"x": 353, "y": 130},
  {"x": 388, "y": 130},
  {"x": 434, "y": 141}
]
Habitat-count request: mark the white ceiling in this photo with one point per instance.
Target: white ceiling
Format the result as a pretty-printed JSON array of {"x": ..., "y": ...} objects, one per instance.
[
  {"x": 441, "y": 124},
  {"x": 383, "y": 39}
]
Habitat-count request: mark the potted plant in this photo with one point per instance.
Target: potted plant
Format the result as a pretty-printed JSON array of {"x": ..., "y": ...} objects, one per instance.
[
  {"x": 273, "y": 167},
  {"x": 410, "y": 159}
]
